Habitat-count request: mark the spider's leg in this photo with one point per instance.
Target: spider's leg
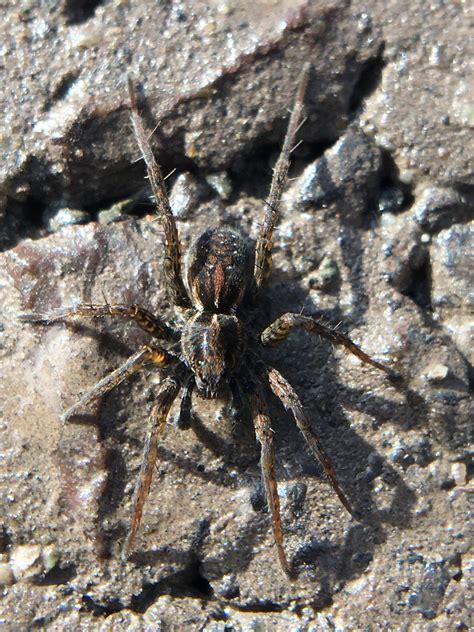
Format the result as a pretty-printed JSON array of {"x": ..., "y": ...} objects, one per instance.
[
  {"x": 237, "y": 406},
  {"x": 264, "y": 434},
  {"x": 168, "y": 390},
  {"x": 286, "y": 394},
  {"x": 263, "y": 247},
  {"x": 172, "y": 263},
  {"x": 152, "y": 324},
  {"x": 155, "y": 355},
  {"x": 282, "y": 326},
  {"x": 184, "y": 417}
]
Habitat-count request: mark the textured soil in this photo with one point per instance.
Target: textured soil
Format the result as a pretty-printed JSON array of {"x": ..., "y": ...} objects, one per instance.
[{"x": 375, "y": 233}]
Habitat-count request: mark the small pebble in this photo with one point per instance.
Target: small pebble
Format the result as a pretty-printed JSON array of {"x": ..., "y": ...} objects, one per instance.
[
  {"x": 229, "y": 587},
  {"x": 459, "y": 473},
  {"x": 221, "y": 183},
  {"x": 110, "y": 215},
  {"x": 6, "y": 574},
  {"x": 186, "y": 194},
  {"x": 391, "y": 200},
  {"x": 435, "y": 206},
  {"x": 326, "y": 275},
  {"x": 436, "y": 372},
  {"x": 66, "y": 217},
  {"x": 25, "y": 561}
]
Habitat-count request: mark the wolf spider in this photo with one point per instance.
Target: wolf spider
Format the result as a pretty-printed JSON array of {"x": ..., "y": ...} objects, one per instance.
[{"x": 223, "y": 276}]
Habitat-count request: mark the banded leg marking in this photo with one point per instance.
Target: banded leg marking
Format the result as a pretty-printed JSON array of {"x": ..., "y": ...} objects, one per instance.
[
  {"x": 263, "y": 247},
  {"x": 143, "y": 318},
  {"x": 264, "y": 434},
  {"x": 172, "y": 262},
  {"x": 169, "y": 389},
  {"x": 282, "y": 326},
  {"x": 159, "y": 357}
]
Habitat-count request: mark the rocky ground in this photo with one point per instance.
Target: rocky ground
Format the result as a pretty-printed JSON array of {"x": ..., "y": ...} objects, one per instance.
[{"x": 375, "y": 233}]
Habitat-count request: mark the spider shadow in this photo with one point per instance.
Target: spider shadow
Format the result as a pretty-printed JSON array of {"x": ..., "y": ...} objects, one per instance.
[
  {"x": 313, "y": 363},
  {"x": 331, "y": 563},
  {"x": 236, "y": 555},
  {"x": 354, "y": 554}
]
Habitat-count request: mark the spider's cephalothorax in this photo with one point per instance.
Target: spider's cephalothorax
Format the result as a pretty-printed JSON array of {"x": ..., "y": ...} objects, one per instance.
[
  {"x": 212, "y": 346},
  {"x": 221, "y": 271}
]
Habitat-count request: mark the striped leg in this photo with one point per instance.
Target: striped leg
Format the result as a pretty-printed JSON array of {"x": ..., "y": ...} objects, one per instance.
[
  {"x": 263, "y": 247},
  {"x": 169, "y": 389},
  {"x": 172, "y": 264},
  {"x": 282, "y": 326},
  {"x": 264, "y": 434},
  {"x": 142, "y": 317},
  {"x": 285, "y": 393},
  {"x": 159, "y": 357}
]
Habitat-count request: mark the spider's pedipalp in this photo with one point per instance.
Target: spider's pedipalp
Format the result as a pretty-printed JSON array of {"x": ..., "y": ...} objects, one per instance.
[
  {"x": 159, "y": 357},
  {"x": 286, "y": 394},
  {"x": 168, "y": 390}
]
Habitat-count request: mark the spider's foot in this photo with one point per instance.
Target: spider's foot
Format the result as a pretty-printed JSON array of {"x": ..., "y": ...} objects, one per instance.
[{"x": 33, "y": 317}]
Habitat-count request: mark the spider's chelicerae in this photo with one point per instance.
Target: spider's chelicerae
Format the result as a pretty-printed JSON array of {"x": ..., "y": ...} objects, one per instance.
[{"x": 223, "y": 277}]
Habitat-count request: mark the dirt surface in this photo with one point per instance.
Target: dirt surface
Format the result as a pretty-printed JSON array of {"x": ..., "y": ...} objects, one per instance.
[{"x": 375, "y": 233}]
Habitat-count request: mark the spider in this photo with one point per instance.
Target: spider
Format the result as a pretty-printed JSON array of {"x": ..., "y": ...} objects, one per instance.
[{"x": 220, "y": 280}]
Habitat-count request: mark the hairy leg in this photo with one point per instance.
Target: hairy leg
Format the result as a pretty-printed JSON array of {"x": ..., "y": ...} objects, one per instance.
[
  {"x": 184, "y": 417},
  {"x": 169, "y": 389},
  {"x": 143, "y": 318},
  {"x": 264, "y": 434},
  {"x": 172, "y": 264},
  {"x": 282, "y": 326},
  {"x": 146, "y": 354},
  {"x": 236, "y": 408},
  {"x": 284, "y": 391},
  {"x": 263, "y": 247}
]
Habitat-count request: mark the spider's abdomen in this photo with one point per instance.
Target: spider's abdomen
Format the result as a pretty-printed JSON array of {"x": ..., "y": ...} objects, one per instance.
[{"x": 218, "y": 269}]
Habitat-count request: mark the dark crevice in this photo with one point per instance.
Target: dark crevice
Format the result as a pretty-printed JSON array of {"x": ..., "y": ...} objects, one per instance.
[
  {"x": 61, "y": 90},
  {"x": 251, "y": 172},
  {"x": 197, "y": 583},
  {"x": 187, "y": 583},
  {"x": 32, "y": 213},
  {"x": 395, "y": 196},
  {"x": 419, "y": 289},
  {"x": 22, "y": 220},
  {"x": 5, "y": 540},
  {"x": 57, "y": 576},
  {"x": 101, "y": 611},
  {"x": 368, "y": 81},
  {"x": 261, "y": 606},
  {"x": 79, "y": 11}
]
